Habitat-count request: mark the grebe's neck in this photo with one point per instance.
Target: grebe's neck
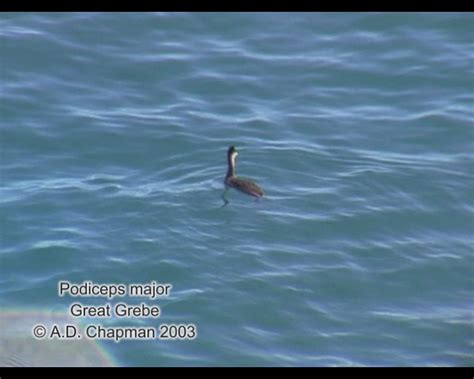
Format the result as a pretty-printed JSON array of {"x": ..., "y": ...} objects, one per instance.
[{"x": 231, "y": 164}]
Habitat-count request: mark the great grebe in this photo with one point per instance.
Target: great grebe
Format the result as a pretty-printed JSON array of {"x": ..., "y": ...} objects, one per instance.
[{"x": 232, "y": 181}]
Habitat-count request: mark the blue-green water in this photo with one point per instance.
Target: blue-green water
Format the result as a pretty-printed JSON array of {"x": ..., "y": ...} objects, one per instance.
[{"x": 359, "y": 127}]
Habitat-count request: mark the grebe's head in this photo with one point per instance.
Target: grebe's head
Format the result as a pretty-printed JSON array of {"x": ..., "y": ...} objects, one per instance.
[{"x": 232, "y": 154}]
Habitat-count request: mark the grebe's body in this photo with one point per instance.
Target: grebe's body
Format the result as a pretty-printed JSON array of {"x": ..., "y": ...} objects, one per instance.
[{"x": 241, "y": 184}]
